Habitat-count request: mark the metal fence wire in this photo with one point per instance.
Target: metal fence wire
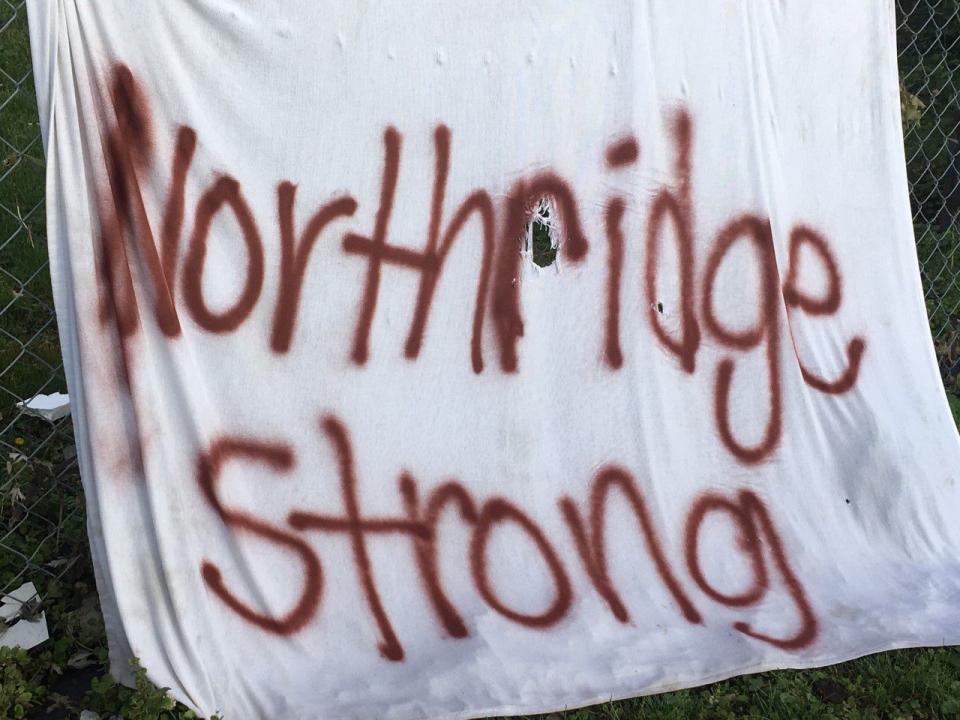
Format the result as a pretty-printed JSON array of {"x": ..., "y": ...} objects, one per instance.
[{"x": 42, "y": 529}]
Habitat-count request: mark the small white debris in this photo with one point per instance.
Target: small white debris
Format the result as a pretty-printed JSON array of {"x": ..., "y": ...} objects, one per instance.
[
  {"x": 49, "y": 407},
  {"x": 22, "y": 622}
]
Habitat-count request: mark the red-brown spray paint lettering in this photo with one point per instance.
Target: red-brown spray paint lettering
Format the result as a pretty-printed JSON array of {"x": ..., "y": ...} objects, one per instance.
[
  {"x": 623, "y": 152},
  {"x": 797, "y": 298},
  {"x": 118, "y": 304},
  {"x": 521, "y": 203},
  {"x": 676, "y": 207},
  {"x": 127, "y": 239},
  {"x": 134, "y": 123},
  {"x": 491, "y": 513},
  {"x": 173, "y": 213},
  {"x": 224, "y": 191},
  {"x": 375, "y": 246},
  {"x": 279, "y": 458},
  {"x": 748, "y": 542},
  {"x": 357, "y": 527},
  {"x": 766, "y": 330},
  {"x": 620, "y": 154},
  {"x": 757, "y": 537},
  {"x": 118, "y": 299},
  {"x": 592, "y": 545},
  {"x": 478, "y": 202},
  {"x": 127, "y": 248},
  {"x": 295, "y": 254},
  {"x": 117, "y": 309},
  {"x": 129, "y": 147},
  {"x": 124, "y": 262},
  {"x": 426, "y": 549},
  {"x": 431, "y": 261},
  {"x": 496, "y": 511},
  {"x": 612, "y": 352}
]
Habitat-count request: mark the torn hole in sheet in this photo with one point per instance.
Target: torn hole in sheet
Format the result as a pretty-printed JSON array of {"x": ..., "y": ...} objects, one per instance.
[{"x": 543, "y": 233}]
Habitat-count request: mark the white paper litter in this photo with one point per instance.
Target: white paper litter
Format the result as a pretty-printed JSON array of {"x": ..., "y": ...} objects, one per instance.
[
  {"x": 49, "y": 407},
  {"x": 19, "y": 627}
]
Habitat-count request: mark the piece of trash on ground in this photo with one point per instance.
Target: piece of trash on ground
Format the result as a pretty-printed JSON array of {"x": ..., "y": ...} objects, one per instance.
[
  {"x": 23, "y": 623},
  {"x": 49, "y": 407}
]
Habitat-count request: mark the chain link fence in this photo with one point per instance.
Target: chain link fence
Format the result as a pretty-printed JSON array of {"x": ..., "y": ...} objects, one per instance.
[
  {"x": 929, "y": 43},
  {"x": 42, "y": 531},
  {"x": 42, "y": 528}
]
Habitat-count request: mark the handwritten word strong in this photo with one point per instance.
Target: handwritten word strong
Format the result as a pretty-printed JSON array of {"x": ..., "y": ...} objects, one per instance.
[{"x": 757, "y": 540}]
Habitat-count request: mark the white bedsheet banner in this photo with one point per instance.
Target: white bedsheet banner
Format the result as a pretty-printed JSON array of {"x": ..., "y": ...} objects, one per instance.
[{"x": 348, "y": 453}]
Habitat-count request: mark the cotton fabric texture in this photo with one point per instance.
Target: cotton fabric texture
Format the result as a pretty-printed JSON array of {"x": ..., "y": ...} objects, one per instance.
[{"x": 348, "y": 452}]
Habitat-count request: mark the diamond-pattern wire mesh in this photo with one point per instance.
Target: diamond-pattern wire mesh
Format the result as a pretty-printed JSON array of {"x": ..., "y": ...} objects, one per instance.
[
  {"x": 42, "y": 533},
  {"x": 929, "y": 41}
]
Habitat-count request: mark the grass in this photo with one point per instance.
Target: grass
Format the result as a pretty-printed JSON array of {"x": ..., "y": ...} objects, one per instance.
[{"x": 42, "y": 531}]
